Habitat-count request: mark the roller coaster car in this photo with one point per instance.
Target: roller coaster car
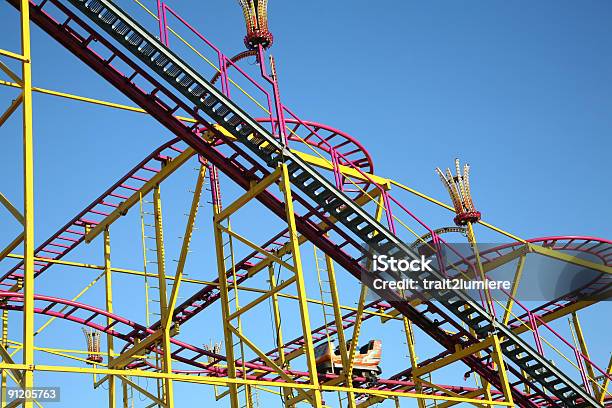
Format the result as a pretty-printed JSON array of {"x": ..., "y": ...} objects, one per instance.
[{"x": 366, "y": 361}]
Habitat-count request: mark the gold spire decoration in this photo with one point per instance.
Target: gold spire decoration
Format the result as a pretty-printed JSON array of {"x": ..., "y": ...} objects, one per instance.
[
  {"x": 93, "y": 345},
  {"x": 458, "y": 186},
  {"x": 256, "y": 18}
]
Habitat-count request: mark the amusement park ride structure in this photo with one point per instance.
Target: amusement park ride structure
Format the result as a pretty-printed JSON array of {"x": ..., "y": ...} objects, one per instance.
[{"x": 320, "y": 183}]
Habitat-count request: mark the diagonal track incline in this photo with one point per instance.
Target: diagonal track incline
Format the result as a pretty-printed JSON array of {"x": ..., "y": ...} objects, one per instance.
[{"x": 356, "y": 229}]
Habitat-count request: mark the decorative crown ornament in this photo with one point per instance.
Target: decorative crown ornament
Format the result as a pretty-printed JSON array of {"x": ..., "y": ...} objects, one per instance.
[
  {"x": 458, "y": 187},
  {"x": 93, "y": 345},
  {"x": 256, "y": 17}
]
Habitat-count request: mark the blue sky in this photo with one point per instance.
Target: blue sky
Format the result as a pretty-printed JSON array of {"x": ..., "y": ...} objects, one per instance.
[{"x": 520, "y": 90}]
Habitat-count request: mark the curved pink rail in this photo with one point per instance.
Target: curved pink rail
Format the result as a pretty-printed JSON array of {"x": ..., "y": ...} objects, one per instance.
[{"x": 91, "y": 316}]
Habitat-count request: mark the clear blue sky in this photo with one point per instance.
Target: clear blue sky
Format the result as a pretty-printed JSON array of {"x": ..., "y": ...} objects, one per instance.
[{"x": 521, "y": 90}]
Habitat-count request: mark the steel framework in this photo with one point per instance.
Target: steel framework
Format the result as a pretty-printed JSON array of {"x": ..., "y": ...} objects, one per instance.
[{"x": 314, "y": 185}]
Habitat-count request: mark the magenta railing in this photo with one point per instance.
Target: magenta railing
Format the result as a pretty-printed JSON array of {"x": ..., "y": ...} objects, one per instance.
[
  {"x": 535, "y": 322},
  {"x": 223, "y": 61},
  {"x": 279, "y": 127}
]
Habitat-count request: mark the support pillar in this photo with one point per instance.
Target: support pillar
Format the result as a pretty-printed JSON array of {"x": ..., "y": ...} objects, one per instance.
[
  {"x": 108, "y": 285},
  {"x": 28, "y": 202}
]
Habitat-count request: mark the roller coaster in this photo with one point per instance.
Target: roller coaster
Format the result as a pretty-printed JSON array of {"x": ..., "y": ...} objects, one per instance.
[{"x": 323, "y": 212}]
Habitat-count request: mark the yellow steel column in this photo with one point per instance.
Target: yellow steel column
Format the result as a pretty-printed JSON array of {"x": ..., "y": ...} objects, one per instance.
[
  {"x": 585, "y": 351},
  {"x": 285, "y": 187},
  {"x": 166, "y": 318},
  {"x": 125, "y": 394},
  {"x": 333, "y": 288},
  {"x": 28, "y": 201},
  {"x": 4, "y": 344},
  {"x": 515, "y": 285},
  {"x": 409, "y": 330},
  {"x": 161, "y": 270},
  {"x": 109, "y": 308},
  {"x": 282, "y": 362},
  {"x": 225, "y": 312},
  {"x": 159, "y": 247},
  {"x": 498, "y": 358},
  {"x": 472, "y": 239},
  {"x": 605, "y": 383},
  {"x": 380, "y": 209}
]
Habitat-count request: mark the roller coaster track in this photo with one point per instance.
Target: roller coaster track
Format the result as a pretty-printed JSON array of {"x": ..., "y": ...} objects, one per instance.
[
  {"x": 95, "y": 318},
  {"x": 69, "y": 236},
  {"x": 324, "y": 200},
  {"x": 209, "y": 294}
]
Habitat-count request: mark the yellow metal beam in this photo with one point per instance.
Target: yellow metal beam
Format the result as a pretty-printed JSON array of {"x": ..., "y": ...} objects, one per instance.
[
  {"x": 285, "y": 187},
  {"x": 515, "y": 284},
  {"x": 261, "y": 298},
  {"x": 123, "y": 208},
  {"x": 271, "y": 256},
  {"x": 585, "y": 351},
  {"x": 223, "y": 381},
  {"x": 225, "y": 310},
  {"x": 11, "y": 246},
  {"x": 25, "y": 58},
  {"x": 28, "y": 197},
  {"x": 134, "y": 352},
  {"x": 11, "y": 74},
  {"x": 6, "y": 357},
  {"x": 193, "y": 212},
  {"x": 345, "y": 170},
  {"x": 267, "y": 360},
  {"x": 552, "y": 253},
  {"x": 605, "y": 383},
  {"x": 108, "y": 286},
  {"x": 253, "y": 192},
  {"x": 333, "y": 288},
  {"x": 456, "y": 356},
  {"x": 5, "y": 327},
  {"x": 498, "y": 358},
  {"x": 11, "y": 109}
]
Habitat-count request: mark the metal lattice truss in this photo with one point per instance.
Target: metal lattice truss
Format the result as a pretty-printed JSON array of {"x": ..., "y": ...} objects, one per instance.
[{"x": 319, "y": 183}]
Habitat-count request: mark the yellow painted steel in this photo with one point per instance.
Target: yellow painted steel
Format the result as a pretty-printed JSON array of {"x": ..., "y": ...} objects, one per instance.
[
  {"x": 498, "y": 358},
  {"x": 25, "y": 58},
  {"x": 333, "y": 289},
  {"x": 178, "y": 276},
  {"x": 11, "y": 109},
  {"x": 312, "y": 390},
  {"x": 515, "y": 284},
  {"x": 585, "y": 351},
  {"x": 17, "y": 375},
  {"x": 167, "y": 392},
  {"x": 280, "y": 176},
  {"x": 356, "y": 329},
  {"x": 28, "y": 198},
  {"x": 108, "y": 286},
  {"x": 551, "y": 253},
  {"x": 145, "y": 262},
  {"x": 3, "y": 373},
  {"x": 278, "y": 331},
  {"x": 314, "y": 160},
  {"x": 361, "y": 306},
  {"x": 11, "y": 246},
  {"x": 151, "y": 184},
  {"x": 227, "y": 381},
  {"x": 135, "y": 352},
  {"x": 460, "y": 353},
  {"x": 414, "y": 361},
  {"x": 225, "y": 311},
  {"x": 11, "y": 74},
  {"x": 285, "y": 187},
  {"x": 606, "y": 382}
]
